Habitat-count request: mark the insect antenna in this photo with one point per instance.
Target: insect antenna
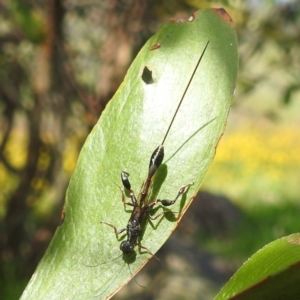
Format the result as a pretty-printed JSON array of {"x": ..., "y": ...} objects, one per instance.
[
  {"x": 115, "y": 277},
  {"x": 184, "y": 93},
  {"x": 158, "y": 154},
  {"x": 103, "y": 263},
  {"x": 134, "y": 278}
]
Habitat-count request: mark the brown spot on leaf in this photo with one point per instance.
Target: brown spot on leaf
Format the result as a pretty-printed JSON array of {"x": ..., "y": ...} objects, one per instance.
[
  {"x": 62, "y": 217},
  {"x": 154, "y": 47},
  {"x": 294, "y": 239},
  {"x": 223, "y": 14},
  {"x": 193, "y": 16},
  {"x": 172, "y": 20}
]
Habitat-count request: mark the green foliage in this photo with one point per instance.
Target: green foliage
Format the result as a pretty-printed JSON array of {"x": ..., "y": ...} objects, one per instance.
[
  {"x": 268, "y": 221},
  {"x": 27, "y": 20},
  {"x": 83, "y": 259},
  {"x": 271, "y": 273}
]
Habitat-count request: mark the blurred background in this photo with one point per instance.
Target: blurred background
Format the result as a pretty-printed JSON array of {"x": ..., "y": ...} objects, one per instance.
[{"x": 61, "y": 62}]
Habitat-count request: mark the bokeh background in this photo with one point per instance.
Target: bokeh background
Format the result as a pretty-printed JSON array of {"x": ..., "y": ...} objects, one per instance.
[{"x": 61, "y": 62}]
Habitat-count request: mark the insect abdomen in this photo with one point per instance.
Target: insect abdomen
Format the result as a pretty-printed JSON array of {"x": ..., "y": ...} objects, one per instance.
[{"x": 156, "y": 159}]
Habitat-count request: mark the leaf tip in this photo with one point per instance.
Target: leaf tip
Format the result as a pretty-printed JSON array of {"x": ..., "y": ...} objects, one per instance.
[{"x": 223, "y": 14}]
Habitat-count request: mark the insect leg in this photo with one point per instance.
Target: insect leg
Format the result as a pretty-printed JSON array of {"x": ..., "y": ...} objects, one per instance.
[
  {"x": 166, "y": 202},
  {"x": 143, "y": 247},
  {"x": 127, "y": 186},
  {"x": 133, "y": 200},
  {"x": 160, "y": 214},
  {"x": 117, "y": 232}
]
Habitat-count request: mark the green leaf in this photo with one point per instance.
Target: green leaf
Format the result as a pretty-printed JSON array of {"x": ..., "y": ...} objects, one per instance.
[
  {"x": 83, "y": 259},
  {"x": 271, "y": 273}
]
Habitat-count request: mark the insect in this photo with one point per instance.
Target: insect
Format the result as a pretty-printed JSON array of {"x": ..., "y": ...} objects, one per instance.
[{"x": 140, "y": 206}]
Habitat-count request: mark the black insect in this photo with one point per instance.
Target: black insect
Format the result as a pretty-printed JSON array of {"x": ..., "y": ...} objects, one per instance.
[{"x": 140, "y": 206}]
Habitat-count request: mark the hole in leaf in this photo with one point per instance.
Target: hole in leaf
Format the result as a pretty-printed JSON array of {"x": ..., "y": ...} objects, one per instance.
[{"x": 147, "y": 76}]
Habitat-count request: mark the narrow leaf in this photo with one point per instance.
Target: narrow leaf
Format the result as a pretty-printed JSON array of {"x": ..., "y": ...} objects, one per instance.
[
  {"x": 83, "y": 260},
  {"x": 271, "y": 273}
]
